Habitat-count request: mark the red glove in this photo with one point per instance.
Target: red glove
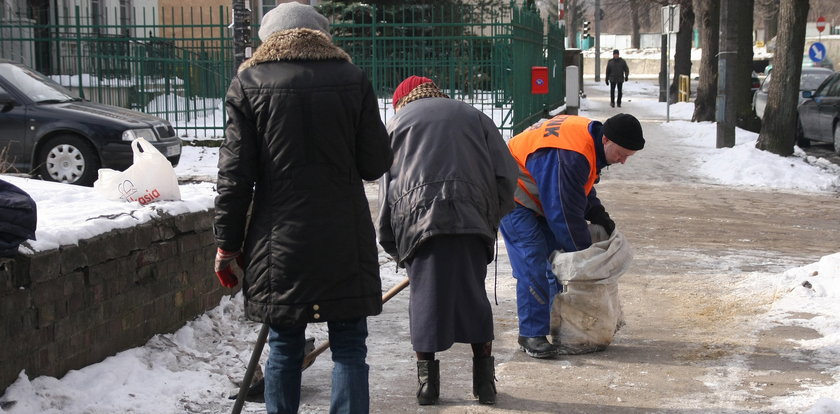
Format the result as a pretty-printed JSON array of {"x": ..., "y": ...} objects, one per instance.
[{"x": 224, "y": 270}]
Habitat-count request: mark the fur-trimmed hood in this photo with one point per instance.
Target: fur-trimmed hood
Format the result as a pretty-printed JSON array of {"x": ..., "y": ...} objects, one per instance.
[{"x": 296, "y": 44}]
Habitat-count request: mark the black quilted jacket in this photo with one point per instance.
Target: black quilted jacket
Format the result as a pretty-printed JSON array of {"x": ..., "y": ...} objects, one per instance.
[{"x": 303, "y": 132}]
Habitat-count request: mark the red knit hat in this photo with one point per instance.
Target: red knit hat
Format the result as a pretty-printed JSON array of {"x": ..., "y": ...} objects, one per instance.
[{"x": 406, "y": 86}]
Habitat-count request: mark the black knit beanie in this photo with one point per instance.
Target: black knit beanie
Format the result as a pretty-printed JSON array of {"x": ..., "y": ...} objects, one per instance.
[{"x": 626, "y": 131}]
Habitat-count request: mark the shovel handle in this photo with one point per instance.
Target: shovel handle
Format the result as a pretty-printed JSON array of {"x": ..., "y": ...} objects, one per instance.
[
  {"x": 310, "y": 357},
  {"x": 249, "y": 373}
]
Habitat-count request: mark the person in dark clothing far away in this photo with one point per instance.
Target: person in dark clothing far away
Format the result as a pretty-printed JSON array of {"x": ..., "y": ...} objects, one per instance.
[
  {"x": 452, "y": 181},
  {"x": 560, "y": 160},
  {"x": 617, "y": 74},
  {"x": 303, "y": 132}
]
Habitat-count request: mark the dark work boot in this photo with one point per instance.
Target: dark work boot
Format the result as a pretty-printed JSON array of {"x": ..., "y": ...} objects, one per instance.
[
  {"x": 537, "y": 347},
  {"x": 428, "y": 376},
  {"x": 484, "y": 379}
]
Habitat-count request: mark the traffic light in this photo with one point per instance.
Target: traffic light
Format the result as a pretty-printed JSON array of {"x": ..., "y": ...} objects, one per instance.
[{"x": 585, "y": 34}]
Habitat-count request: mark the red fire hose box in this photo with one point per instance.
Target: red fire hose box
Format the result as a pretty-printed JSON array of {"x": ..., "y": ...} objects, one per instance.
[{"x": 539, "y": 80}]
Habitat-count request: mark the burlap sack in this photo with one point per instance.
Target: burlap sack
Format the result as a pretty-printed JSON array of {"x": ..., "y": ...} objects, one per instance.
[{"x": 587, "y": 314}]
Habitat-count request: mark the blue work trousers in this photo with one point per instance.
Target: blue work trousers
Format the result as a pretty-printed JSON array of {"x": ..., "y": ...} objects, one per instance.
[
  {"x": 529, "y": 242},
  {"x": 350, "y": 393}
]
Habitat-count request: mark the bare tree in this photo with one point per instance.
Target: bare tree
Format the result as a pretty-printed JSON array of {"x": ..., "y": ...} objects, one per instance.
[
  {"x": 682, "y": 52},
  {"x": 780, "y": 116},
  {"x": 708, "y": 19},
  {"x": 769, "y": 12},
  {"x": 635, "y": 36},
  {"x": 574, "y": 19},
  {"x": 823, "y": 8},
  {"x": 639, "y": 11}
]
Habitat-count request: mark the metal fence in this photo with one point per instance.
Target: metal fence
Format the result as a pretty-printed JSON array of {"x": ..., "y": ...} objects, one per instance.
[
  {"x": 173, "y": 63},
  {"x": 177, "y": 63}
]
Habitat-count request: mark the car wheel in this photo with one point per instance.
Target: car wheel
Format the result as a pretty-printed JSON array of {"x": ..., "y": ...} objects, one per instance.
[
  {"x": 800, "y": 137},
  {"x": 68, "y": 159},
  {"x": 837, "y": 137}
]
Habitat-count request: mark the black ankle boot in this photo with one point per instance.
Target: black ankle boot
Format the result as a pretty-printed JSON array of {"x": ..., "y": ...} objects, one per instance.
[
  {"x": 537, "y": 347},
  {"x": 428, "y": 376},
  {"x": 484, "y": 379}
]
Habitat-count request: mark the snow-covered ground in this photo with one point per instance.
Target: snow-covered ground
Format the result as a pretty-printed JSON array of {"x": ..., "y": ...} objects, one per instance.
[{"x": 202, "y": 358}]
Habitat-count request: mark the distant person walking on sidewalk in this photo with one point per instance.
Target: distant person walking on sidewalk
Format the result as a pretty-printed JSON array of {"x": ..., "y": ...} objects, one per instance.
[
  {"x": 617, "y": 74},
  {"x": 452, "y": 181},
  {"x": 303, "y": 131},
  {"x": 559, "y": 161}
]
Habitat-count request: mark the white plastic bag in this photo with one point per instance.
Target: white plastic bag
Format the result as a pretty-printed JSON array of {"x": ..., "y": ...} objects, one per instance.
[
  {"x": 587, "y": 314},
  {"x": 150, "y": 177}
]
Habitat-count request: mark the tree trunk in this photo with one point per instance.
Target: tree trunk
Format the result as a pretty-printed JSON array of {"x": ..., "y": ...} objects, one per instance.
[
  {"x": 708, "y": 12},
  {"x": 771, "y": 18},
  {"x": 572, "y": 24},
  {"x": 635, "y": 37},
  {"x": 745, "y": 118},
  {"x": 780, "y": 116},
  {"x": 682, "y": 55}
]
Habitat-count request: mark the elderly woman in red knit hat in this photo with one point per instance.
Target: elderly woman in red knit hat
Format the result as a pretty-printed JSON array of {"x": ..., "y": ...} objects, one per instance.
[{"x": 451, "y": 182}]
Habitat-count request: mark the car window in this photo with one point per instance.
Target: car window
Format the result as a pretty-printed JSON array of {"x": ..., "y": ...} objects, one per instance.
[
  {"x": 811, "y": 81},
  {"x": 832, "y": 88},
  {"x": 825, "y": 86},
  {"x": 34, "y": 85}
]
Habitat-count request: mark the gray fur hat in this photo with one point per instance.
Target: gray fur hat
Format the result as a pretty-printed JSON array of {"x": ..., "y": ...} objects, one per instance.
[{"x": 293, "y": 15}]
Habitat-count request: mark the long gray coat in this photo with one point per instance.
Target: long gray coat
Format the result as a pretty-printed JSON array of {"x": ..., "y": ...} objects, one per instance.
[
  {"x": 303, "y": 132},
  {"x": 452, "y": 174}
]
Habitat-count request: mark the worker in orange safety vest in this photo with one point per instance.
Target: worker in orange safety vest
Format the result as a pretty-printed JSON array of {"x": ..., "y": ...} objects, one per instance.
[{"x": 560, "y": 161}]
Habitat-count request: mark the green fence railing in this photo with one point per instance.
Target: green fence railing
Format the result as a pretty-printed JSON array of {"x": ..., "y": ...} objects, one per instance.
[
  {"x": 464, "y": 49},
  {"x": 176, "y": 63},
  {"x": 173, "y": 63}
]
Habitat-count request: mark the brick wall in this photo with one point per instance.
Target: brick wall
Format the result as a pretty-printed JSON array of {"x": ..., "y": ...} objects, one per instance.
[{"x": 71, "y": 307}]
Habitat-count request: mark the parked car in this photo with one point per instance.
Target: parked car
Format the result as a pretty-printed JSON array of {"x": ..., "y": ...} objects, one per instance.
[
  {"x": 754, "y": 83},
  {"x": 46, "y": 130},
  {"x": 810, "y": 79},
  {"x": 825, "y": 63},
  {"x": 819, "y": 114}
]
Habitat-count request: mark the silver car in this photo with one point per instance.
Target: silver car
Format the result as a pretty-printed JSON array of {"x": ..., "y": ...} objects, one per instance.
[
  {"x": 819, "y": 115},
  {"x": 811, "y": 78}
]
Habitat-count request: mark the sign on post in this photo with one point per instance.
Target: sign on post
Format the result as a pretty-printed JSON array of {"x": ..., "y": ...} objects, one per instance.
[
  {"x": 671, "y": 18},
  {"x": 817, "y": 52},
  {"x": 820, "y": 24},
  {"x": 561, "y": 12},
  {"x": 670, "y": 25}
]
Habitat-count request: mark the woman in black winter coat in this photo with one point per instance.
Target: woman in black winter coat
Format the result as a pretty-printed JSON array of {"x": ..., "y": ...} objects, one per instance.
[{"x": 303, "y": 131}]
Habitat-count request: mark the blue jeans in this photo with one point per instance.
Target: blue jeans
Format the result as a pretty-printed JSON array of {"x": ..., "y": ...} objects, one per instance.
[
  {"x": 350, "y": 394},
  {"x": 529, "y": 242}
]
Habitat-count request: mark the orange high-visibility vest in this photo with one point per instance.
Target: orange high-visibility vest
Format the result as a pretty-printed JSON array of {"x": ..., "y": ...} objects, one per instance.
[{"x": 564, "y": 132}]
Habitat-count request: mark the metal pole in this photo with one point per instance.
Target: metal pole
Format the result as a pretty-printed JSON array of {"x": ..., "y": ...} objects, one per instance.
[
  {"x": 663, "y": 63},
  {"x": 668, "y": 76},
  {"x": 597, "y": 41},
  {"x": 725, "y": 105},
  {"x": 241, "y": 33}
]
